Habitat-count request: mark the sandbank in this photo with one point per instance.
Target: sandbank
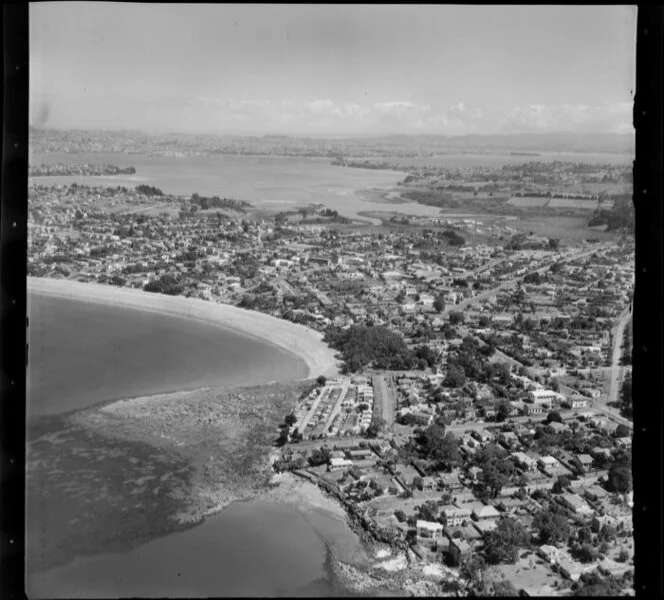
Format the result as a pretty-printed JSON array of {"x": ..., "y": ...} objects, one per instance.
[{"x": 294, "y": 338}]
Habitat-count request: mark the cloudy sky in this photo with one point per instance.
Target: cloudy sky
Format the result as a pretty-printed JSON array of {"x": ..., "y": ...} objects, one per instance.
[{"x": 332, "y": 69}]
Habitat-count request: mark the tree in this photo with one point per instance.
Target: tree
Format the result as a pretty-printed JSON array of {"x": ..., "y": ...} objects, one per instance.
[
  {"x": 620, "y": 478},
  {"x": 429, "y": 511},
  {"x": 561, "y": 484},
  {"x": 554, "y": 416},
  {"x": 503, "y": 410},
  {"x": 504, "y": 589},
  {"x": 496, "y": 472},
  {"x": 290, "y": 419},
  {"x": 439, "y": 303},
  {"x": 551, "y": 527},
  {"x": 283, "y": 437},
  {"x": 502, "y": 545},
  {"x": 587, "y": 553},
  {"x": 441, "y": 447},
  {"x": 623, "y": 431},
  {"x": 321, "y": 380},
  {"x": 484, "y": 321},
  {"x": 471, "y": 568},
  {"x": 375, "y": 427},
  {"x": 456, "y": 377},
  {"x": 320, "y": 456},
  {"x": 554, "y": 243},
  {"x": 456, "y": 317},
  {"x": 623, "y": 556}
]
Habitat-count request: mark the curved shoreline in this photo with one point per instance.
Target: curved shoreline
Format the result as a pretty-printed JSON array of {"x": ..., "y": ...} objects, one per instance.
[{"x": 295, "y": 339}]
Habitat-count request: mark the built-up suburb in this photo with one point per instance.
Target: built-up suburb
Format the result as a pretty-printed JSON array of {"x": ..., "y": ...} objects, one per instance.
[{"x": 482, "y": 417}]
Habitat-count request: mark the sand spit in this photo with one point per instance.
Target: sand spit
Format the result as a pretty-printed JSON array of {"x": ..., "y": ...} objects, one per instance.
[{"x": 291, "y": 337}]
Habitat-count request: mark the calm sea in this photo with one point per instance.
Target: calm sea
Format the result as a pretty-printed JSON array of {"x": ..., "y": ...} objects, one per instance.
[
  {"x": 83, "y": 353},
  {"x": 257, "y": 548},
  {"x": 269, "y": 182}
]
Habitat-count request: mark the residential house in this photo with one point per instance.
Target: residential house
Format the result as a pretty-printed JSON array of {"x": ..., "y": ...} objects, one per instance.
[
  {"x": 550, "y": 554},
  {"x": 542, "y": 396},
  {"x": 455, "y": 516},
  {"x": 594, "y": 493},
  {"x": 533, "y": 409},
  {"x": 576, "y": 402},
  {"x": 484, "y": 513},
  {"x": 557, "y": 427},
  {"x": 577, "y": 504},
  {"x": 427, "y": 530},
  {"x": 524, "y": 461},
  {"x": 339, "y": 463},
  {"x": 484, "y": 527},
  {"x": 458, "y": 549},
  {"x": 573, "y": 570},
  {"x": 585, "y": 461}
]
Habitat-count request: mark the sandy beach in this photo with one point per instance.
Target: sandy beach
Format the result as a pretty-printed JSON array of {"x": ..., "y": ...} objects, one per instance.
[{"x": 297, "y": 339}]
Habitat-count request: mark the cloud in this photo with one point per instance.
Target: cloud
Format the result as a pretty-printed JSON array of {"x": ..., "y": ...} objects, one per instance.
[
  {"x": 579, "y": 118},
  {"x": 324, "y": 115}
]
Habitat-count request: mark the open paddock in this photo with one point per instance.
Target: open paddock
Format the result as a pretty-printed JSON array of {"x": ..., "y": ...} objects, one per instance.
[
  {"x": 570, "y": 229},
  {"x": 573, "y": 203},
  {"x": 528, "y": 201}
]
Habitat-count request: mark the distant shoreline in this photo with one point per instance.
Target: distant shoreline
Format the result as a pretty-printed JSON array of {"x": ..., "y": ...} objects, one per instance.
[{"x": 291, "y": 337}]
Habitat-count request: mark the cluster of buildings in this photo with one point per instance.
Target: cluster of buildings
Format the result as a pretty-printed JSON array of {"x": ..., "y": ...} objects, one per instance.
[
  {"x": 546, "y": 312},
  {"x": 439, "y": 514},
  {"x": 342, "y": 407},
  {"x": 550, "y": 178},
  {"x": 84, "y": 169}
]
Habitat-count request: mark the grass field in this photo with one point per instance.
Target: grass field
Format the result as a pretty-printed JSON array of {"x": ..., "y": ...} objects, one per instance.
[
  {"x": 564, "y": 228},
  {"x": 527, "y": 201},
  {"x": 573, "y": 203}
]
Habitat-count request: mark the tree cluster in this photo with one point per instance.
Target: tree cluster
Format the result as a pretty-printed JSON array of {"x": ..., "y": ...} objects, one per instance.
[
  {"x": 361, "y": 346},
  {"x": 166, "y": 284},
  {"x": 148, "y": 190},
  {"x": 205, "y": 203}
]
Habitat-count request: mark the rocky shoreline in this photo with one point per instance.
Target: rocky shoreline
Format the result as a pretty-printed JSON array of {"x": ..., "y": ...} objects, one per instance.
[{"x": 393, "y": 566}]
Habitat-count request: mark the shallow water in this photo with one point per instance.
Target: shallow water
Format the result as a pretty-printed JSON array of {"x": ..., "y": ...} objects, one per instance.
[
  {"x": 84, "y": 353},
  {"x": 255, "y": 548},
  {"x": 273, "y": 182}
]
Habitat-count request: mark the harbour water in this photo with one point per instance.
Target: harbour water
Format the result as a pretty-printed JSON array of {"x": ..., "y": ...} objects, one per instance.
[
  {"x": 256, "y": 548},
  {"x": 83, "y": 353}
]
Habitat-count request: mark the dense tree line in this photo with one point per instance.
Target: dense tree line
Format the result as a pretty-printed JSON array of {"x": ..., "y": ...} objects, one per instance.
[
  {"x": 166, "y": 284},
  {"x": 204, "y": 203},
  {"x": 618, "y": 218},
  {"x": 362, "y": 346},
  {"x": 452, "y": 238},
  {"x": 148, "y": 190}
]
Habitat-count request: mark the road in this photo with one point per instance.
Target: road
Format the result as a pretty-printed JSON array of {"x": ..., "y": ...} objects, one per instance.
[
  {"x": 606, "y": 404},
  {"x": 142, "y": 208},
  {"x": 512, "y": 282},
  {"x": 337, "y": 407},
  {"x": 618, "y": 333},
  {"x": 384, "y": 395}
]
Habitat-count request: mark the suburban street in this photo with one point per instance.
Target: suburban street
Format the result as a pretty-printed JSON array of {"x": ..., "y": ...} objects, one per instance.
[
  {"x": 384, "y": 397},
  {"x": 607, "y": 403},
  {"x": 512, "y": 282}
]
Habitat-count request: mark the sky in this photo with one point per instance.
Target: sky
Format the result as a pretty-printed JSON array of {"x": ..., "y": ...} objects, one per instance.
[{"x": 332, "y": 69}]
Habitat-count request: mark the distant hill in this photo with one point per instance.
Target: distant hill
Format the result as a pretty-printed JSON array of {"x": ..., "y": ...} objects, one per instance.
[
  {"x": 425, "y": 145},
  {"x": 543, "y": 142}
]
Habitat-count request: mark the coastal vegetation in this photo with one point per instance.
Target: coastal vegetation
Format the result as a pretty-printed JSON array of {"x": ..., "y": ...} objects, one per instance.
[
  {"x": 363, "y": 346},
  {"x": 148, "y": 190},
  {"x": 206, "y": 203},
  {"x": 83, "y": 169}
]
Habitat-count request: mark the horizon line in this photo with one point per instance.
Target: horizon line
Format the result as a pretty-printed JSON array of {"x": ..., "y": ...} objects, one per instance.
[{"x": 340, "y": 135}]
